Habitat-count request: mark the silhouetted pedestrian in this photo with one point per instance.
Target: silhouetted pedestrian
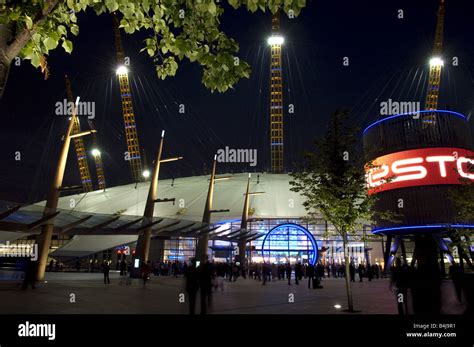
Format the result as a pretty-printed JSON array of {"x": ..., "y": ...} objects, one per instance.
[
  {"x": 370, "y": 274},
  {"x": 298, "y": 272},
  {"x": 145, "y": 272},
  {"x": 288, "y": 272},
  {"x": 310, "y": 274},
  {"x": 192, "y": 285},
  {"x": 123, "y": 267},
  {"x": 106, "y": 270},
  {"x": 264, "y": 273},
  {"x": 361, "y": 272},
  {"x": 400, "y": 280},
  {"x": 206, "y": 275},
  {"x": 30, "y": 268},
  {"x": 352, "y": 271}
]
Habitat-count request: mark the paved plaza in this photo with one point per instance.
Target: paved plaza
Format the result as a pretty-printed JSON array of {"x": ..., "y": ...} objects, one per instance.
[{"x": 162, "y": 296}]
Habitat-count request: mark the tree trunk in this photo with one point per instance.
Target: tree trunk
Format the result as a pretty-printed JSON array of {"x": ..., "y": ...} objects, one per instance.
[
  {"x": 4, "y": 72},
  {"x": 5, "y": 61},
  {"x": 350, "y": 304}
]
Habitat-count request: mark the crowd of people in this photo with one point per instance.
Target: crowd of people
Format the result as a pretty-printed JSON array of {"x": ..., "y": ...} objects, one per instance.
[
  {"x": 410, "y": 284},
  {"x": 210, "y": 275}
]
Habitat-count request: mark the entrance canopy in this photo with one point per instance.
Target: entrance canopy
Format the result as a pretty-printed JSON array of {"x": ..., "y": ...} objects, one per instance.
[{"x": 94, "y": 232}]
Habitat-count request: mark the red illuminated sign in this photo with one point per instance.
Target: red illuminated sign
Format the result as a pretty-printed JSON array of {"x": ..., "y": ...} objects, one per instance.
[{"x": 419, "y": 167}]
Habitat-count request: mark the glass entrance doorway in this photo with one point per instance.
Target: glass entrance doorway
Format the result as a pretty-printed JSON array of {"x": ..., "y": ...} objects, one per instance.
[{"x": 289, "y": 243}]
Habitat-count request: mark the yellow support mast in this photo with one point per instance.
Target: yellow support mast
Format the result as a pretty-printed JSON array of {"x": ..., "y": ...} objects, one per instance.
[
  {"x": 131, "y": 134},
  {"x": 276, "y": 97},
  {"x": 99, "y": 167},
  {"x": 436, "y": 64},
  {"x": 79, "y": 145}
]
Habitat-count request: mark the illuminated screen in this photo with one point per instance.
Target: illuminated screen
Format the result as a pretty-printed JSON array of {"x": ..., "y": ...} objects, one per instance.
[
  {"x": 420, "y": 167},
  {"x": 289, "y": 243}
]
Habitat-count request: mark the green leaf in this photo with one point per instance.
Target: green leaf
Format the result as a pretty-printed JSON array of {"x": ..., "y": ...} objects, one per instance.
[
  {"x": 212, "y": 8},
  {"x": 67, "y": 45},
  {"x": 112, "y": 5},
  {"x": 146, "y": 5},
  {"x": 252, "y": 5},
  {"x": 234, "y": 3},
  {"x": 75, "y": 29},
  {"x": 27, "y": 51},
  {"x": 28, "y": 22},
  {"x": 35, "y": 59},
  {"x": 50, "y": 43},
  {"x": 14, "y": 16},
  {"x": 127, "y": 13},
  {"x": 61, "y": 30}
]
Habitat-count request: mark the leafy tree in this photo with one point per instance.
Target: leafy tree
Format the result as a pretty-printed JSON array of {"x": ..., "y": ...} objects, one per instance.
[
  {"x": 332, "y": 179},
  {"x": 178, "y": 29}
]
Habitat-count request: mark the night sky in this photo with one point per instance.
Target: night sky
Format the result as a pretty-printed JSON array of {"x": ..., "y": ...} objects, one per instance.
[{"x": 388, "y": 58}]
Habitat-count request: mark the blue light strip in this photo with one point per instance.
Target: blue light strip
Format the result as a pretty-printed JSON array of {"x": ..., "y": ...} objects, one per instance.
[
  {"x": 457, "y": 114},
  {"x": 434, "y": 226}
]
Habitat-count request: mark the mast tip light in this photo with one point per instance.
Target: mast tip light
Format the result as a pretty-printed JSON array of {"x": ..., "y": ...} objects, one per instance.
[
  {"x": 436, "y": 61},
  {"x": 276, "y": 40},
  {"x": 122, "y": 70}
]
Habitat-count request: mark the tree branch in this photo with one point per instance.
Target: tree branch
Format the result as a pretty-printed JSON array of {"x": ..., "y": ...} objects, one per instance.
[{"x": 22, "y": 38}]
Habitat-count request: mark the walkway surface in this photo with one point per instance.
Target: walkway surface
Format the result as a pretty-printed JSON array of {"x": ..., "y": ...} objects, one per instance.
[{"x": 162, "y": 296}]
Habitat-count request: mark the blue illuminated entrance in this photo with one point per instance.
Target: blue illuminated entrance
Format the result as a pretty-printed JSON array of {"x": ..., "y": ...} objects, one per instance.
[{"x": 289, "y": 242}]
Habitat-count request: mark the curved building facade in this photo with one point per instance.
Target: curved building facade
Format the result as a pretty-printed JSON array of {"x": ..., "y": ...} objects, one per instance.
[{"x": 414, "y": 162}]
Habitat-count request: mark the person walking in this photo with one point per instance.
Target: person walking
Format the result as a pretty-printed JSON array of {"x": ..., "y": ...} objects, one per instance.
[
  {"x": 288, "y": 272},
  {"x": 192, "y": 285},
  {"x": 220, "y": 273},
  {"x": 106, "y": 270},
  {"x": 370, "y": 274},
  {"x": 298, "y": 272},
  {"x": 352, "y": 271},
  {"x": 361, "y": 272},
  {"x": 123, "y": 267},
  {"x": 319, "y": 272},
  {"x": 146, "y": 270},
  {"x": 310, "y": 274},
  {"x": 206, "y": 276},
  {"x": 258, "y": 272},
  {"x": 264, "y": 272},
  {"x": 400, "y": 280},
  {"x": 29, "y": 275},
  {"x": 230, "y": 271}
]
